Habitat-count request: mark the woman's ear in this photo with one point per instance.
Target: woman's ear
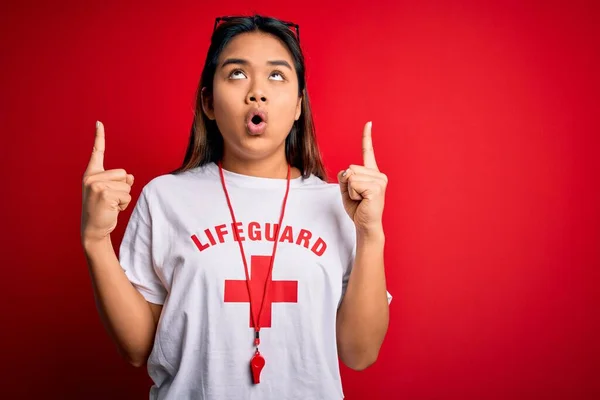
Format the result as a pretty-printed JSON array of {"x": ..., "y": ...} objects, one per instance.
[
  {"x": 207, "y": 103},
  {"x": 298, "y": 108}
]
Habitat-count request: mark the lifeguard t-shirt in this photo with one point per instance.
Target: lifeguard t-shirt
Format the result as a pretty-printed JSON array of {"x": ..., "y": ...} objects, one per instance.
[{"x": 179, "y": 250}]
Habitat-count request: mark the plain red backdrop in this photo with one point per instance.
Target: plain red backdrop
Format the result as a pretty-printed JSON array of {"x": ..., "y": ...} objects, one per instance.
[{"x": 485, "y": 118}]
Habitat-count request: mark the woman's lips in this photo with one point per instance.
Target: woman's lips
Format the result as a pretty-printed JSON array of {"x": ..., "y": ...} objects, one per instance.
[{"x": 256, "y": 128}]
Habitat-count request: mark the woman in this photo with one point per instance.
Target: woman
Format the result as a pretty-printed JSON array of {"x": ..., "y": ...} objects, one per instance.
[{"x": 243, "y": 274}]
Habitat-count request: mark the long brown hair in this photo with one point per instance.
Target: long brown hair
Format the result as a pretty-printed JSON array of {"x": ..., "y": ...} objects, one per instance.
[{"x": 205, "y": 141}]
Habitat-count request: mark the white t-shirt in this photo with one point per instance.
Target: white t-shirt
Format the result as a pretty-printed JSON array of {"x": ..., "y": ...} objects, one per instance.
[{"x": 179, "y": 250}]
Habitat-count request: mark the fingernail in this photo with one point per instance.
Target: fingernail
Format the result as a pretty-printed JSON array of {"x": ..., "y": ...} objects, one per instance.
[
  {"x": 345, "y": 173},
  {"x": 97, "y": 124}
]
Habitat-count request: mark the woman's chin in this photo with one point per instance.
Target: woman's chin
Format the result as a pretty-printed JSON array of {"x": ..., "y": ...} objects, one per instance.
[{"x": 256, "y": 148}]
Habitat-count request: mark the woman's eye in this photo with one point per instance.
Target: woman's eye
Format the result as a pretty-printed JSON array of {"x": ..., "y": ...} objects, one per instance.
[
  {"x": 279, "y": 76},
  {"x": 237, "y": 74}
]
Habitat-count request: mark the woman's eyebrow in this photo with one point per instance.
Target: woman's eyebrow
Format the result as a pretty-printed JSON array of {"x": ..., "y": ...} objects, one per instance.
[
  {"x": 281, "y": 63},
  {"x": 242, "y": 61},
  {"x": 229, "y": 61}
]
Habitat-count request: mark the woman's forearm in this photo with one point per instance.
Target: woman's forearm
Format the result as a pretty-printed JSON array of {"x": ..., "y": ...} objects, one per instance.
[
  {"x": 363, "y": 316},
  {"x": 124, "y": 312}
]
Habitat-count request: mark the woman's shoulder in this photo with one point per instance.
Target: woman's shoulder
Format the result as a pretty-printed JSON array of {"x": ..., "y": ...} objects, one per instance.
[
  {"x": 172, "y": 183},
  {"x": 323, "y": 196},
  {"x": 325, "y": 186}
]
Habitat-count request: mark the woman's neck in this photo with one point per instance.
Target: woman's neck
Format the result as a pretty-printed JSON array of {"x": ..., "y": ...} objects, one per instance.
[{"x": 274, "y": 167}]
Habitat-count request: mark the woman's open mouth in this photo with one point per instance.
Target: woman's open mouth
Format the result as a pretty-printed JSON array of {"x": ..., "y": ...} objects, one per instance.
[{"x": 256, "y": 122}]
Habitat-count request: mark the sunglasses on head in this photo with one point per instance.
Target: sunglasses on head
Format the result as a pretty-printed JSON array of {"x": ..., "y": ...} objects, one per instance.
[{"x": 290, "y": 25}]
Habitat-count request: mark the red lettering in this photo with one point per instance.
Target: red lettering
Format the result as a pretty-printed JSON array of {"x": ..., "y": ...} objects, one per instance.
[
  {"x": 237, "y": 230},
  {"x": 303, "y": 236},
  {"x": 257, "y": 232},
  {"x": 210, "y": 237},
  {"x": 221, "y": 232},
  {"x": 319, "y": 250},
  {"x": 199, "y": 245},
  {"x": 270, "y": 236},
  {"x": 287, "y": 235},
  {"x": 252, "y": 234}
]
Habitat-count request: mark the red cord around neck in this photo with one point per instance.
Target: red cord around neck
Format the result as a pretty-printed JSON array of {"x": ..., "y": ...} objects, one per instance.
[{"x": 256, "y": 319}]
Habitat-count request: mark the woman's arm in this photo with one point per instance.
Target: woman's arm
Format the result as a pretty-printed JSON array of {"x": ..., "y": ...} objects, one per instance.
[
  {"x": 363, "y": 316},
  {"x": 129, "y": 319},
  {"x": 362, "y": 319}
]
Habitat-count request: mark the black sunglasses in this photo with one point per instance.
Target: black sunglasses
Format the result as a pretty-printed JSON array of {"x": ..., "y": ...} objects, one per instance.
[{"x": 230, "y": 17}]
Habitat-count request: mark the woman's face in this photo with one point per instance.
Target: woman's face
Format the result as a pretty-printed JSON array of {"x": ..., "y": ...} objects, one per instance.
[{"x": 255, "y": 75}]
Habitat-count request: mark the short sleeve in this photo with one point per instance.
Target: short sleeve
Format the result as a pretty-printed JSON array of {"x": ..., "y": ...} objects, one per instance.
[{"x": 136, "y": 252}]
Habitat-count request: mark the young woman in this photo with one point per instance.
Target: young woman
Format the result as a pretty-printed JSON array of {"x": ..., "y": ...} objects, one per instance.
[{"x": 244, "y": 274}]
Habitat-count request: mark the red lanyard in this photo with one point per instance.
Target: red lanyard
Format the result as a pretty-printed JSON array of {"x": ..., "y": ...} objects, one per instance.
[{"x": 257, "y": 362}]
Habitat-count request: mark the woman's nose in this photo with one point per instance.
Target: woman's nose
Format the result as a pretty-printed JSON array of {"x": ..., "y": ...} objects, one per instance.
[{"x": 256, "y": 96}]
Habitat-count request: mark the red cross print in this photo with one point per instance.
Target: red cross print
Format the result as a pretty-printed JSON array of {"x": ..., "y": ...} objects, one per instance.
[{"x": 278, "y": 291}]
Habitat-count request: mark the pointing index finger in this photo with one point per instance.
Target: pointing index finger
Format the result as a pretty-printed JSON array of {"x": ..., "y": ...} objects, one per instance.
[
  {"x": 367, "y": 147},
  {"x": 96, "y": 163}
]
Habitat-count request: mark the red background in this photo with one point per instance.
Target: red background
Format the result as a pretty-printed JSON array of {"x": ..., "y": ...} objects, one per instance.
[{"x": 485, "y": 119}]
